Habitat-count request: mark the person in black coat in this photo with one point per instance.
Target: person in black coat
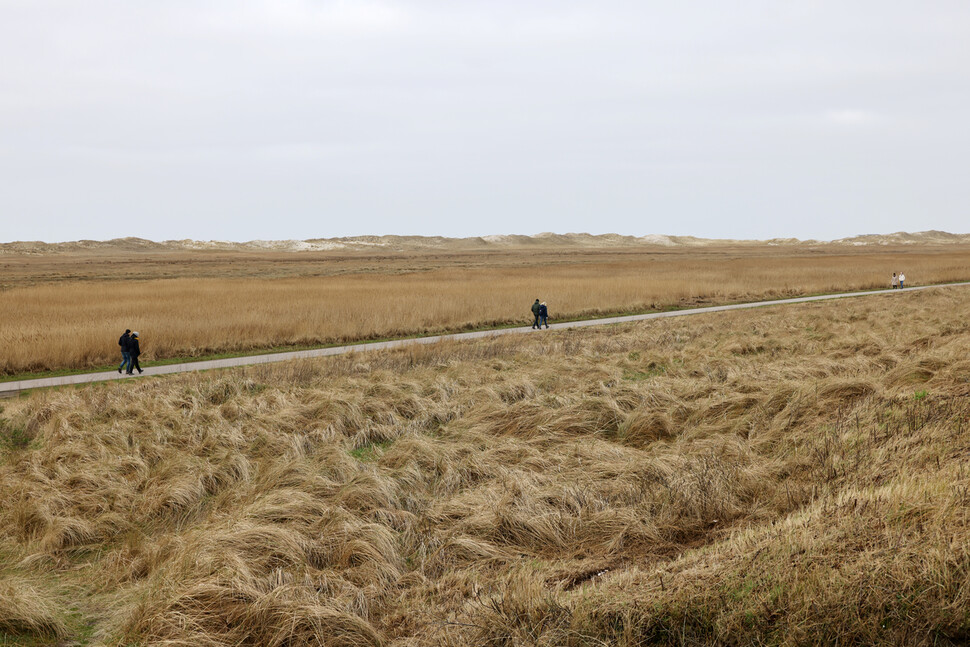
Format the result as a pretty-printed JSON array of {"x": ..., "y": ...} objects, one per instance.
[
  {"x": 543, "y": 315},
  {"x": 124, "y": 341},
  {"x": 134, "y": 350}
]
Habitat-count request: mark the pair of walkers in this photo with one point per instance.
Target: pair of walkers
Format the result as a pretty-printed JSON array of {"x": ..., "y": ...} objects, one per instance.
[
  {"x": 899, "y": 281},
  {"x": 540, "y": 315},
  {"x": 130, "y": 350}
]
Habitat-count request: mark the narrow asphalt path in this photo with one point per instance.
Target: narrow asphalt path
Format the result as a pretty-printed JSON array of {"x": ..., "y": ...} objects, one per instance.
[{"x": 12, "y": 388}]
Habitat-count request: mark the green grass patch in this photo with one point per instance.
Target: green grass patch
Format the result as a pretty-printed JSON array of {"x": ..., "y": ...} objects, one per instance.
[
  {"x": 14, "y": 437},
  {"x": 24, "y": 640},
  {"x": 653, "y": 370},
  {"x": 371, "y": 452}
]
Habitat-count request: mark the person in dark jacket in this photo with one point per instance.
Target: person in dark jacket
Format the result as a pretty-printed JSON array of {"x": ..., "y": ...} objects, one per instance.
[
  {"x": 134, "y": 350},
  {"x": 543, "y": 315},
  {"x": 535, "y": 314},
  {"x": 124, "y": 342}
]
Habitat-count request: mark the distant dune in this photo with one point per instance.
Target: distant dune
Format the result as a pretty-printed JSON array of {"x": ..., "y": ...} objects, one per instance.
[{"x": 429, "y": 243}]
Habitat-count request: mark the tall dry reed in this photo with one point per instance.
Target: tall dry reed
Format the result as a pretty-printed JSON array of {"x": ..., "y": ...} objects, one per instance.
[{"x": 74, "y": 325}]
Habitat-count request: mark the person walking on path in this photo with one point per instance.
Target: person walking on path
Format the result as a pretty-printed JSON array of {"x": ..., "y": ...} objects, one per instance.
[
  {"x": 902, "y": 277},
  {"x": 535, "y": 314},
  {"x": 895, "y": 281},
  {"x": 543, "y": 315},
  {"x": 124, "y": 341},
  {"x": 134, "y": 351}
]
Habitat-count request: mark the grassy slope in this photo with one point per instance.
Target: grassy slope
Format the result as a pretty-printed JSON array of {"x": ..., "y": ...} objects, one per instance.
[{"x": 786, "y": 476}]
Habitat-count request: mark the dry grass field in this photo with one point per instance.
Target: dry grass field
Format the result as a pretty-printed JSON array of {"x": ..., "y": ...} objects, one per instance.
[
  {"x": 797, "y": 475},
  {"x": 66, "y": 311}
]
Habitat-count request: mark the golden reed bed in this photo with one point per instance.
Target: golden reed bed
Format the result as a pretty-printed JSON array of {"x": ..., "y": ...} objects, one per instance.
[
  {"x": 783, "y": 476},
  {"x": 67, "y": 311}
]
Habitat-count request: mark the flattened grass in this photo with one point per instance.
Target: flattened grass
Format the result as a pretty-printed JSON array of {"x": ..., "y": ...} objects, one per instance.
[{"x": 792, "y": 476}]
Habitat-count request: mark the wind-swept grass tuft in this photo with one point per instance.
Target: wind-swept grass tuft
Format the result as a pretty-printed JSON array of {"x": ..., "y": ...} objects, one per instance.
[{"x": 27, "y": 610}]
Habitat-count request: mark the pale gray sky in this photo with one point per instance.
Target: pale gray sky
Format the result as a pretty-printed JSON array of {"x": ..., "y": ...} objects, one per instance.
[{"x": 280, "y": 119}]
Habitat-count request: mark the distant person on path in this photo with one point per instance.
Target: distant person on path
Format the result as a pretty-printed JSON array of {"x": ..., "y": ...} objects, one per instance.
[
  {"x": 543, "y": 315},
  {"x": 134, "y": 350},
  {"x": 902, "y": 277},
  {"x": 125, "y": 341},
  {"x": 895, "y": 281},
  {"x": 535, "y": 315}
]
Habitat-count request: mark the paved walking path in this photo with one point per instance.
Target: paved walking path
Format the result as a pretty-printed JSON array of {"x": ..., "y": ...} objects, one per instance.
[{"x": 12, "y": 388}]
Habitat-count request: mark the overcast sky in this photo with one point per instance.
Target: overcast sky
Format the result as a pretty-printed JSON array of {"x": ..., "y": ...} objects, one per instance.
[{"x": 281, "y": 119}]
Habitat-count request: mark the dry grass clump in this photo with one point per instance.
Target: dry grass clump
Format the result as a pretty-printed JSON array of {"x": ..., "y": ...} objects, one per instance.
[
  {"x": 26, "y": 608},
  {"x": 74, "y": 324},
  {"x": 794, "y": 475}
]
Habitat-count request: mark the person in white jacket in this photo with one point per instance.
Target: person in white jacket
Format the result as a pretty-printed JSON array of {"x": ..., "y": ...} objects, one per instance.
[{"x": 902, "y": 277}]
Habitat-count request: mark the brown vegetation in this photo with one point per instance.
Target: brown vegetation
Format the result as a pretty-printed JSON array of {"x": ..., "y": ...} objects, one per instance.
[
  {"x": 794, "y": 475},
  {"x": 67, "y": 311}
]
